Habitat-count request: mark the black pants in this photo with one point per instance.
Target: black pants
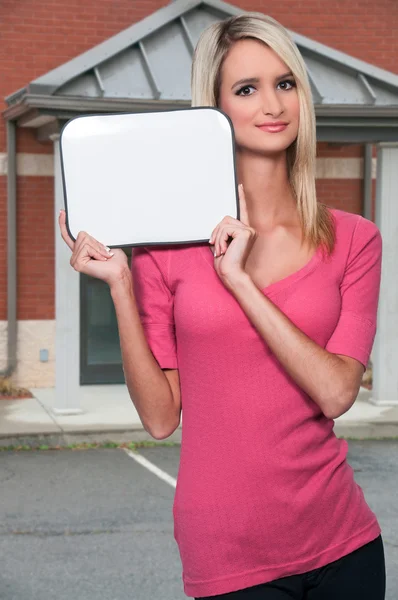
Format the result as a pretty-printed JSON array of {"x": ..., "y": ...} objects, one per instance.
[{"x": 359, "y": 575}]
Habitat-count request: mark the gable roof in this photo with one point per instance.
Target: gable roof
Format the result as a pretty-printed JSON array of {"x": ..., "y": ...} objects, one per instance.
[{"x": 151, "y": 60}]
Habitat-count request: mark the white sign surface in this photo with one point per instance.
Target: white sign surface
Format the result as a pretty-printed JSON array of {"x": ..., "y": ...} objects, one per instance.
[{"x": 149, "y": 178}]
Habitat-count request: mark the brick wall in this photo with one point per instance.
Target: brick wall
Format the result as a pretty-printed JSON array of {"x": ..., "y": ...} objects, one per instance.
[
  {"x": 35, "y": 231},
  {"x": 39, "y": 35},
  {"x": 3, "y": 247}
]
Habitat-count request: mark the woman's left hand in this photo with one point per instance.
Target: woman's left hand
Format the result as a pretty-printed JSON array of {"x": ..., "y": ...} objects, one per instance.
[{"x": 231, "y": 255}]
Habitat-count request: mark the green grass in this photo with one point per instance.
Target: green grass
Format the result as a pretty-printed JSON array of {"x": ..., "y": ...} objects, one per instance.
[
  {"x": 368, "y": 439},
  {"x": 134, "y": 445},
  {"x": 85, "y": 446}
]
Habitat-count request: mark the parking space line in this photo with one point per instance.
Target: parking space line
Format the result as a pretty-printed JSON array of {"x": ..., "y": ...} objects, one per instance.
[{"x": 151, "y": 467}]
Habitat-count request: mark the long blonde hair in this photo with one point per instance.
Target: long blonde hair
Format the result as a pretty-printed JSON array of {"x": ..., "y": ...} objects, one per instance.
[{"x": 316, "y": 220}]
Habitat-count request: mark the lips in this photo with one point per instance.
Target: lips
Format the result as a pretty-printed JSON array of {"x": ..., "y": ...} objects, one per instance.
[{"x": 273, "y": 127}]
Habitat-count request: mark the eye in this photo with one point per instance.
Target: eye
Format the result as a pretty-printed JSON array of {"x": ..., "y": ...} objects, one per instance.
[
  {"x": 243, "y": 91},
  {"x": 289, "y": 82}
]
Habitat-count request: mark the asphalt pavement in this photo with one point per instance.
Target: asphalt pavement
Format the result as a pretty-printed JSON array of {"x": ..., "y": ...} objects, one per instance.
[{"x": 97, "y": 525}]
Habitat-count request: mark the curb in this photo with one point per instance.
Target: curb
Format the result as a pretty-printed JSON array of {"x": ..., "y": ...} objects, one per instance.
[
  {"x": 81, "y": 437},
  {"x": 353, "y": 431},
  {"x": 356, "y": 430}
]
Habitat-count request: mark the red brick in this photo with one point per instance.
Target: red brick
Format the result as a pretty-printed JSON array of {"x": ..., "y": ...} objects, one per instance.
[
  {"x": 345, "y": 194},
  {"x": 36, "y": 249}
]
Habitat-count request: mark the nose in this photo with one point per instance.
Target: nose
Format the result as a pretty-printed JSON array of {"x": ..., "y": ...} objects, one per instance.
[{"x": 271, "y": 103}]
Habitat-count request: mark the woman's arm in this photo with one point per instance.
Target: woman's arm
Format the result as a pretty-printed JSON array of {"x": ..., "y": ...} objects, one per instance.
[
  {"x": 154, "y": 392},
  {"x": 332, "y": 381},
  {"x": 331, "y": 376}
]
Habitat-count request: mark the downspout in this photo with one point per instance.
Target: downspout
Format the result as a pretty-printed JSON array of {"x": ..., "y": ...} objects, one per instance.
[
  {"x": 11, "y": 250},
  {"x": 367, "y": 181},
  {"x": 367, "y": 213}
]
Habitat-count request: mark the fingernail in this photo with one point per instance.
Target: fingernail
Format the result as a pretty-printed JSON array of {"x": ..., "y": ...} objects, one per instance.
[
  {"x": 107, "y": 249},
  {"x": 111, "y": 253},
  {"x": 215, "y": 254}
]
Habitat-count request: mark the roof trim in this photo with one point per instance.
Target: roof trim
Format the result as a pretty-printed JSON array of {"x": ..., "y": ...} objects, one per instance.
[
  {"x": 77, "y": 104},
  {"x": 355, "y": 64},
  {"x": 51, "y": 81}
]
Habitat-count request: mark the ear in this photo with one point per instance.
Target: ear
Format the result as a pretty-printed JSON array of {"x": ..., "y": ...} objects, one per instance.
[{"x": 244, "y": 217}]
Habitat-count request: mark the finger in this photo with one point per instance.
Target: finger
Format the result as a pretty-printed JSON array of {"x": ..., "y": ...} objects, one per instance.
[
  {"x": 84, "y": 238},
  {"x": 243, "y": 214},
  {"x": 227, "y": 220},
  {"x": 230, "y": 231},
  {"x": 223, "y": 238},
  {"x": 85, "y": 253},
  {"x": 104, "y": 250},
  {"x": 64, "y": 232},
  {"x": 213, "y": 239},
  {"x": 213, "y": 234},
  {"x": 217, "y": 241}
]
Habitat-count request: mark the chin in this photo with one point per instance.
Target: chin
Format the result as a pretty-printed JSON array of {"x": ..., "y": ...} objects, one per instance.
[
  {"x": 264, "y": 149},
  {"x": 272, "y": 143}
]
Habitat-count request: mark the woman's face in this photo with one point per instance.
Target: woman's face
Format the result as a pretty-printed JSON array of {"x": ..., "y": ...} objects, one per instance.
[{"x": 257, "y": 90}]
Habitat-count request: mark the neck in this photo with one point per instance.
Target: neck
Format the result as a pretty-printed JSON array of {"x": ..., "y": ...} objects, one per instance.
[{"x": 269, "y": 198}]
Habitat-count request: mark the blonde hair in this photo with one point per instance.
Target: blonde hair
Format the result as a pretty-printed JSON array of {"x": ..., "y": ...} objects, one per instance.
[{"x": 316, "y": 220}]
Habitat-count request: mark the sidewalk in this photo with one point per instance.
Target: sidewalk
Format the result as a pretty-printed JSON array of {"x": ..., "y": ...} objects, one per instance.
[{"x": 109, "y": 415}]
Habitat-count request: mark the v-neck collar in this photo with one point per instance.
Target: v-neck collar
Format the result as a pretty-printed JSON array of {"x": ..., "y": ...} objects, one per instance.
[{"x": 276, "y": 286}]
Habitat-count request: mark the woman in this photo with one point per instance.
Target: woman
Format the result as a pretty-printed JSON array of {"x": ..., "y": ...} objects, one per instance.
[{"x": 262, "y": 344}]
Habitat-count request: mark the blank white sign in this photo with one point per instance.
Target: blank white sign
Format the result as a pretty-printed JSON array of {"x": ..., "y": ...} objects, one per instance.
[{"x": 149, "y": 178}]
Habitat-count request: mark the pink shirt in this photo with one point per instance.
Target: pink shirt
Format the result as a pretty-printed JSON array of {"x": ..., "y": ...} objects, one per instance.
[{"x": 264, "y": 490}]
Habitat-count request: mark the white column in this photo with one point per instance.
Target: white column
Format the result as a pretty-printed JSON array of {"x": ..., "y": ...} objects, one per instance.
[
  {"x": 385, "y": 354},
  {"x": 67, "y": 313}
]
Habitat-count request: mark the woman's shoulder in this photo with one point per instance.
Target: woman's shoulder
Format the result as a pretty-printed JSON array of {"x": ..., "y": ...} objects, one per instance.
[
  {"x": 350, "y": 224},
  {"x": 355, "y": 235}
]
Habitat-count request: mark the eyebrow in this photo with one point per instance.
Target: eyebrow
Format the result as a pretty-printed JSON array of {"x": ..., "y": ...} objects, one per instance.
[{"x": 250, "y": 80}]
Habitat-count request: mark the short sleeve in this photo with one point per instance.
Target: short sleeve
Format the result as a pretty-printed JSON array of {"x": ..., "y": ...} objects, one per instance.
[
  {"x": 155, "y": 303},
  {"x": 355, "y": 331}
]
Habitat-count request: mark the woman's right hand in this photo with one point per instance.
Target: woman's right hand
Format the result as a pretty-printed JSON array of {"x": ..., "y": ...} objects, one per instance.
[{"x": 93, "y": 258}]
